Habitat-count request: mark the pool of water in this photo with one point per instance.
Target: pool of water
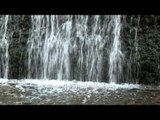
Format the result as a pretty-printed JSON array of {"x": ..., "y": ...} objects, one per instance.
[{"x": 56, "y": 92}]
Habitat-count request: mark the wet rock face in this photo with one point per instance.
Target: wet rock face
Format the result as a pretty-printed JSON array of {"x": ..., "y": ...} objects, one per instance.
[
  {"x": 141, "y": 64},
  {"x": 18, "y": 27},
  {"x": 150, "y": 49},
  {"x": 149, "y": 43}
]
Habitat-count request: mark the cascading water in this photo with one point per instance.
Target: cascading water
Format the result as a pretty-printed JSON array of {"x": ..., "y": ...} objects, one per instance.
[
  {"x": 73, "y": 47},
  {"x": 102, "y": 48},
  {"x": 49, "y": 48},
  {"x": 116, "y": 55},
  {"x": 4, "y": 56},
  {"x": 81, "y": 47}
]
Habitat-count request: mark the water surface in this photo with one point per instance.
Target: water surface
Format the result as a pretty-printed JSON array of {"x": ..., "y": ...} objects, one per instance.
[{"x": 56, "y": 92}]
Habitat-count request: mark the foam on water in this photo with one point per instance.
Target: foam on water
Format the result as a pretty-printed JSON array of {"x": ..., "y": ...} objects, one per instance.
[{"x": 56, "y": 84}]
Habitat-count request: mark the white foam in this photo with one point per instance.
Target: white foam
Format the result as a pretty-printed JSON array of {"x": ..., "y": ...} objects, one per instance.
[
  {"x": 34, "y": 90},
  {"x": 69, "y": 84}
]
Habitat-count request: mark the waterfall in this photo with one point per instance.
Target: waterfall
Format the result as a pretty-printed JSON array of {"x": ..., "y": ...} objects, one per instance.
[
  {"x": 4, "y": 44},
  {"x": 102, "y": 48},
  {"x": 49, "y": 48},
  {"x": 74, "y": 47},
  {"x": 116, "y": 55},
  {"x": 69, "y": 47}
]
